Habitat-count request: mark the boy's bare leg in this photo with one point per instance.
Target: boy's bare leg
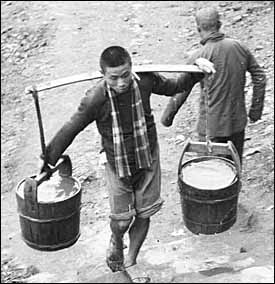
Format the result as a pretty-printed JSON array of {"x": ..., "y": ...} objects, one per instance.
[
  {"x": 115, "y": 257},
  {"x": 137, "y": 234}
]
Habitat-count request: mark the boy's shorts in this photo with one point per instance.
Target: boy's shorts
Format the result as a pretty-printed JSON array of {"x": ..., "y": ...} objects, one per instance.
[{"x": 138, "y": 195}]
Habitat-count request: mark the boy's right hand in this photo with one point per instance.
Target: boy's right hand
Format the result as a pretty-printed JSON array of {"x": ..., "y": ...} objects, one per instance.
[{"x": 44, "y": 167}]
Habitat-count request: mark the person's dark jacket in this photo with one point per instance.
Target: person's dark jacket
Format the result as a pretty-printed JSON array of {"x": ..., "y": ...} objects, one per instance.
[{"x": 227, "y": 112}]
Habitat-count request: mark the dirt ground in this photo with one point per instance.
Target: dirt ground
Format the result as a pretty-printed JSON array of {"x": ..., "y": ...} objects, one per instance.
[{"x": 46, "y": 40}]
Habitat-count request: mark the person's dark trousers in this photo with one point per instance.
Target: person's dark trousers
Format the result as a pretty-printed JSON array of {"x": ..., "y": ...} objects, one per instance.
[{"x": 237, "y": 139}]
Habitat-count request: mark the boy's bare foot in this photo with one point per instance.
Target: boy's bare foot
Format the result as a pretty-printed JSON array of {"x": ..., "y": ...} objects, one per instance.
[
  {"x": 114, "y": 258},
  {"x": 129, "y": 262}
]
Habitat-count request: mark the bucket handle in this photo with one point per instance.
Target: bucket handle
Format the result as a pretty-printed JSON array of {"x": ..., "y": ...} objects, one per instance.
[
  {"x": 202, "y": 147},
  {"x": 30, "y": 194},
  {"x": 236, "y": 158},
  {"x": 185, "y": 146}
]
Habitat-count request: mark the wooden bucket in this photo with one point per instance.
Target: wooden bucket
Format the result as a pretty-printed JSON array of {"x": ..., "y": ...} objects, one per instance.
[
  {"x": 49, "y": 225},
  {"x": 207, "y": 209}
]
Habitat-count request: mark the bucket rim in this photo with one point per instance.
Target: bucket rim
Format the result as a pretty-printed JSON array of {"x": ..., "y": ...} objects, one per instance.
[
  {"x": 51, "y": 202},
  {"x": 211, "y": 157},
  {"x": 235, "y": 179}
]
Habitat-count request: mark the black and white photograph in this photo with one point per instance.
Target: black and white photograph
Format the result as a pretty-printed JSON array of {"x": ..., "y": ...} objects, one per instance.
[{"x": 137, "y": 141}]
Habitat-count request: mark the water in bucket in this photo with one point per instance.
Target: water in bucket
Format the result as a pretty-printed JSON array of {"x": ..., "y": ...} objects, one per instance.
[
  {"x": 208, "y": 174},
  {"x": 56, "y": 189}
]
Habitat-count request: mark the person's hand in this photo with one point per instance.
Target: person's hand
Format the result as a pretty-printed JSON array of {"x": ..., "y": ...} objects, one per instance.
[
  {"x": 43, "y": 167},
  {"x": 30, "y": 90},
  {"x": 254, "y": 115},
  {"x": 169, "y": 113},
  {"x": 205, "y": 65}
]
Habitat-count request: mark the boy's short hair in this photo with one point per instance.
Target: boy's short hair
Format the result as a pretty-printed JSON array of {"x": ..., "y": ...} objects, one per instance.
[{"x": 114, "y": 56}]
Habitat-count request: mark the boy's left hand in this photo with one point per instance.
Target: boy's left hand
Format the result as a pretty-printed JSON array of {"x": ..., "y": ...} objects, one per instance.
[{"x": 205, "y": 65}]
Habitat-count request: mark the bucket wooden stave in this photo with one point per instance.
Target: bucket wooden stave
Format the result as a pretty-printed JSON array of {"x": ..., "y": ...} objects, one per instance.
[{"x": 50, "y": 225}]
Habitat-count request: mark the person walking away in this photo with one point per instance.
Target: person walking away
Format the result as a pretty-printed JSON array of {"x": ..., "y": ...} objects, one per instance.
[{"x": 226, "y": 116}]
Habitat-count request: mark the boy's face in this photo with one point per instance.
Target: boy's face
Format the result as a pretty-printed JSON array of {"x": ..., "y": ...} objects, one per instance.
[{"x": 119, "y": 78}]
